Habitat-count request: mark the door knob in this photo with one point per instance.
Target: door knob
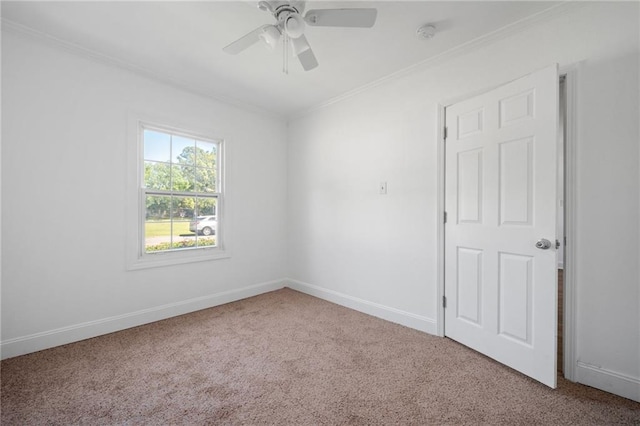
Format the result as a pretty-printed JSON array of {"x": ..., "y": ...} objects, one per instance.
[{"x": 543, "y": 244}]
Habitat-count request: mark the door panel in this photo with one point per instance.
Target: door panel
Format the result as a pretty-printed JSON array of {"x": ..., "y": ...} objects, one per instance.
[
  {"x": 516, "y": 186},
  {"x": 470, "y": 186},
  {"x": 514, "y": 289},
  {"x": 501, "y": 197},
  {"x": 469, "y": 285}
]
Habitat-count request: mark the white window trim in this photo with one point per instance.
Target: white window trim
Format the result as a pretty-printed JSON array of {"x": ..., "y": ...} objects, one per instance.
[{"x": 135, "y": 253}]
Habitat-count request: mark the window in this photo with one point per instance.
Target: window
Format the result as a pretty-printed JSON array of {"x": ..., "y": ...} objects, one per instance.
[{"x": 180, "y": 191}]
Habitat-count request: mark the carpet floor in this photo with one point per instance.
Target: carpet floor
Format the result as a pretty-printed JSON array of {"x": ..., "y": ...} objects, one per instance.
[{"x": 285, "y": 358}]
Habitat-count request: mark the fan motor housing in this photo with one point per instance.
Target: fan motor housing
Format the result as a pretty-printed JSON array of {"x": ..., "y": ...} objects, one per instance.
[{"x": 283, "y": 8}]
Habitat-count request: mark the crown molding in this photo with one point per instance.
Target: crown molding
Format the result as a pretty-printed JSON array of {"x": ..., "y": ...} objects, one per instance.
[
  {"x": 500, "y": 33},
  {"x": 55, "y": 42}
]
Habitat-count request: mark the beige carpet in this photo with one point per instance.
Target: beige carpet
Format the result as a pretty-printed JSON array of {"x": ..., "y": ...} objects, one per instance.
[{"x": 285, "y": 358}]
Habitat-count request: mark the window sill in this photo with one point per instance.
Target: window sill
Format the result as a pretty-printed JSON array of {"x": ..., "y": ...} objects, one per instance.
[{"x": 161, "y": 259}]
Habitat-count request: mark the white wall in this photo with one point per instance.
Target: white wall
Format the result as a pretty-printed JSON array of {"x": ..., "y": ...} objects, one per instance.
[
  {"x": 64, "y": 195},
  {"x": 378, "y": 253}
]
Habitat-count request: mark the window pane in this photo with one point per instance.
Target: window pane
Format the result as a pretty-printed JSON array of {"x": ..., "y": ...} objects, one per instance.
[
  {"x": 206, "y": 154},
  {"x": 158, "y": 207},
  {"x": 205, "y": 180},
  {"x": 183, "y": 150},
  {"x": 206, "y": 206},
  {"x": 157, "y": 226},
  {"x": 183, "y": 208},
  {"x": 157, "y": 146},
  {"x": 204, "y": 241},
  {"x": 183, "y": 177},
  {"x": 206, "y": 222},
  {"x": 157, "y": 175}
]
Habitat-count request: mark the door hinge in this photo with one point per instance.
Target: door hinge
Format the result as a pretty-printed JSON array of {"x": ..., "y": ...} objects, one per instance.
[
  {"x": 445, "y": 217},
  {"x": 444, "y": 301},
  {"x": 446, "y": 131}
]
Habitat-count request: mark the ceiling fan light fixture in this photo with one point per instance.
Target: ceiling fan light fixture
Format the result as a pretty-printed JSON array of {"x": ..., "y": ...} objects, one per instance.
[
  {"x": 294, "y": 25},
  {"x": 270, "y": 35},
  {"x": 265, "y": 6},
  {"x": 290, "y": 27}
]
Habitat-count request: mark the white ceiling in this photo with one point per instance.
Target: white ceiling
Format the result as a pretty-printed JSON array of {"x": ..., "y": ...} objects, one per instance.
[{"x": 182, "y": 42}]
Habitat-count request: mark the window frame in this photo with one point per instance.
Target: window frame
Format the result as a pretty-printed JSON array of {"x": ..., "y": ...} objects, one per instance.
[{"x": 138, "y": 258}]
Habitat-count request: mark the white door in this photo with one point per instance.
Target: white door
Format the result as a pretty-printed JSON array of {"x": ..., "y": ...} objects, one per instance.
[{"x": 500, "y": 288}]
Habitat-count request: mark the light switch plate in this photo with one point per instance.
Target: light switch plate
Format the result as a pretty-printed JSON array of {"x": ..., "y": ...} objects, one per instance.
[{"x": 383, "y": 188}]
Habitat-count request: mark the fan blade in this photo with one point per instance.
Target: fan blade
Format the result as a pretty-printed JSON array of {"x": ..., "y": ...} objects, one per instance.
[
  {"x": 245, "y": 41},
  {"x": 308, "y": 60},
  {"x": 304, "y": 53},
  {"x": 299, "y": 45},
  {"x": 362, "y": 18}
]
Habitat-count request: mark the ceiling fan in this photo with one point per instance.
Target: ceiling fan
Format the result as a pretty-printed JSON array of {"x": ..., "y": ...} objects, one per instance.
[{"x": 290, "y": 26}]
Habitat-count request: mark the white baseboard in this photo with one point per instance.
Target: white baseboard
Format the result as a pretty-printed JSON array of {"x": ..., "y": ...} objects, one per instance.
[
  {"x": 608, "y": 381},
  {"x": 61, "y": 336},
  {"x": 418, "y": 322}
]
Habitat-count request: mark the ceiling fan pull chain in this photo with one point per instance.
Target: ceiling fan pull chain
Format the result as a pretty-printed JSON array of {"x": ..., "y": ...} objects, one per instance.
[{"x": 285, "y": 53}]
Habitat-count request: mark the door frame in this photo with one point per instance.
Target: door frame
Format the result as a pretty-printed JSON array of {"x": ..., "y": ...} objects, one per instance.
[{"x": 569, "y": 330}]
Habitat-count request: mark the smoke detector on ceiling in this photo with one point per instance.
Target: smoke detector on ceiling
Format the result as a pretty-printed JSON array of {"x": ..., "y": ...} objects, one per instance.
[{"x": 426, "y": 32}]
